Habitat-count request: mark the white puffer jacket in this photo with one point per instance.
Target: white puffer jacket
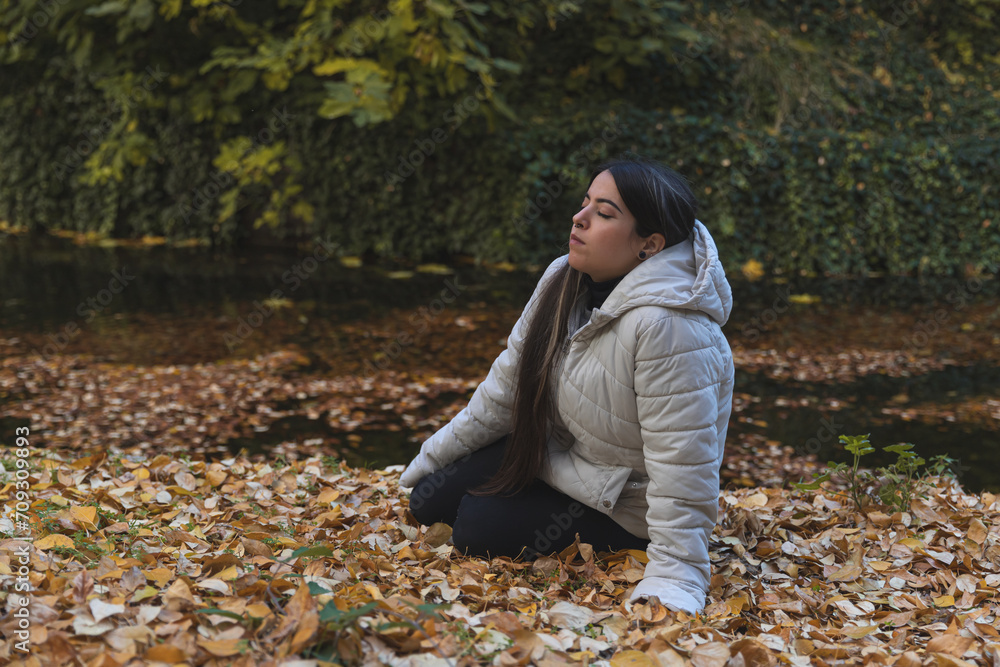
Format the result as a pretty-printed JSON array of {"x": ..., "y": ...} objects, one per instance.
[{"x": 643, "y": 402}]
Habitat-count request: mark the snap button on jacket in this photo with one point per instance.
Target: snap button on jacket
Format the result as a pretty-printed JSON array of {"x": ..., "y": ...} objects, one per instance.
[{"x": 643, "y": 400}]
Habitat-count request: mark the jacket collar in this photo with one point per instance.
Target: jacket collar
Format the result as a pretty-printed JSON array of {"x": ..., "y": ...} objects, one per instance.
[{"x": 687, "y": 276}]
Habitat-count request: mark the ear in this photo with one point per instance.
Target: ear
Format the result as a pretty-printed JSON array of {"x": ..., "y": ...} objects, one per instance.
[{"x": 654, "y": 243}]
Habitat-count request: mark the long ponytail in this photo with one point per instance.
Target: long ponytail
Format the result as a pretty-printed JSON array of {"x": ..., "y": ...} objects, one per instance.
[{"x": 534, "y": 406}]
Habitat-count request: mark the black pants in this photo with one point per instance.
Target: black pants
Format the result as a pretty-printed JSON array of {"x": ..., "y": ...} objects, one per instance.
[{"x": 536, "y": 521}]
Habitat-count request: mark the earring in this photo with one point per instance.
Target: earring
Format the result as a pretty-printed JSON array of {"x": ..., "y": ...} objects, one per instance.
[{"x": 642, "y": 254}]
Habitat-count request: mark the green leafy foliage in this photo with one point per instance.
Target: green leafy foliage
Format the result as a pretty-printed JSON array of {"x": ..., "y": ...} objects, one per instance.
[
  {"x": 894, "y": 486},
  {"x": 821, "y": 137}
]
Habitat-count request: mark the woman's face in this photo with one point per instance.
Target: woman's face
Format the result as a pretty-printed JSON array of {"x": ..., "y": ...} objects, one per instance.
[{"x": 605, "y": 244}]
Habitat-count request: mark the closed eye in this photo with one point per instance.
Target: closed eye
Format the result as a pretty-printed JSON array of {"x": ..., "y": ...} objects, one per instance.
[{"x": 584, "y": 204}]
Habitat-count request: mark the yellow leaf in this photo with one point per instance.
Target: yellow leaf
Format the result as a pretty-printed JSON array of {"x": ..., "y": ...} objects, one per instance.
[
  {"x": 160, "y": 576},
  {"x": 351, "y": 262},
  {"x": 439, "y": 269},
  {"x": 52, "y": 541},
  {"x": 737, "y": 603},
  {"x": 85, "y": 516},
  {"x": 858, "y": 633},
  {"x": 804, "y": 298},
  {"x": 259, "y": 610},
  {"x": 912, "y": 543},
  {"x": 753, "y": 270},
  {"x": 145, "y": 592},
  {"x": 334, "y": 66},
  {"x": 231, "y": 573},
  {"x": 327, "y": 495},
  {"x": 631, "y": 659},
  {"x": 640, "y": 556},
  {"x": 944, "y": 601}
]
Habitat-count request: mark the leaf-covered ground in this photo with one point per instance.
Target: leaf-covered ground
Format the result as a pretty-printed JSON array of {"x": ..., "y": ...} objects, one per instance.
[
  {"x": 145, "y": 559},
  {"x": 152, "y": 542}
]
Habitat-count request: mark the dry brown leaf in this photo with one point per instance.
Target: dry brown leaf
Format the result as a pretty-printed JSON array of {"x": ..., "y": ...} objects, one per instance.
[
  {"x": 437, "y": 534},
  {"x": 945, "y": 660},
  {"x": 186, "y": 480},
  {"x": 223, "y": 647},
  {"x": 977, "y": 531},
  {"x": 712, "y": 654},
  {"x": 165, "y": 653},
  {"x": 951, "y": 644},
  {"x": 754, "y": 653},
  {"x": 852, "y": 568}
]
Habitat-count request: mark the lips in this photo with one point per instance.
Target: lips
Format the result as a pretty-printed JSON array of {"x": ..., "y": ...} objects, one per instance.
[{"x": 574, "y": 237}]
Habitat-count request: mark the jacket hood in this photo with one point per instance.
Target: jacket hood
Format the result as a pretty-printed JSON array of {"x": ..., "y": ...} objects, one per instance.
[{"x": 687, "y": 276}]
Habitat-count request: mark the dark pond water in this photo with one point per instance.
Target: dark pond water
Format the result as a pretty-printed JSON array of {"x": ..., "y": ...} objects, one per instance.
[{"x": 46, "y": 282}]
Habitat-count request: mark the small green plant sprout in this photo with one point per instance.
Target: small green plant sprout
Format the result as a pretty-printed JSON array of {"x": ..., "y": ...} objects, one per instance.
[
  {"x": 899, "y": 481},
  {"x": 894, "y": 486},
  {"x": 859, "y": 446},
  {"x": 940, "y": 465}
]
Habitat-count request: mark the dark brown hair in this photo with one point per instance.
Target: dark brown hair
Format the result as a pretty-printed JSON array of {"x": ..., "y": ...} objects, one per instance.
[{"x": 661, "y": 202}]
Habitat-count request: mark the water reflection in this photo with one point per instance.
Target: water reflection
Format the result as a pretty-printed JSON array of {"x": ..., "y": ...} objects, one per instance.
[{"x": 50, "y": 286}]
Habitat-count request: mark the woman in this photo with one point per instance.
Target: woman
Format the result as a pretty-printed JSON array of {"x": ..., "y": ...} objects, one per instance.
[{"x": 606, "y": 416}]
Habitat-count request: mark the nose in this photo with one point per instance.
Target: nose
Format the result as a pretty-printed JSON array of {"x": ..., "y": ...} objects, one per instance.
[{"x": 581, "y": 217}]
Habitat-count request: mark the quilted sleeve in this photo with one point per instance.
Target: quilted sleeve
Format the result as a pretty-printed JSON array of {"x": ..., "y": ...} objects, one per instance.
[
  {"x": 487, "y": 417},
  {"x": 680, "y": 370}
]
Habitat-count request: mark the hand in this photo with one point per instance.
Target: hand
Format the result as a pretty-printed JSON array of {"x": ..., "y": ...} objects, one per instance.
[{"x": 415, "y": 471}]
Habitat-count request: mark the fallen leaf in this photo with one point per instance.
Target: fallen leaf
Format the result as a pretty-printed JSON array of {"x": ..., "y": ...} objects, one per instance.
[
  {"x": 631, "y": 659},
  {"x": 222, "y": 647},
  {"x": 52, "y": 541},
  {"x": 101, "y": 610},
  {"x": 437, "y": 534},
  {"x": 712, "y": 654}
]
